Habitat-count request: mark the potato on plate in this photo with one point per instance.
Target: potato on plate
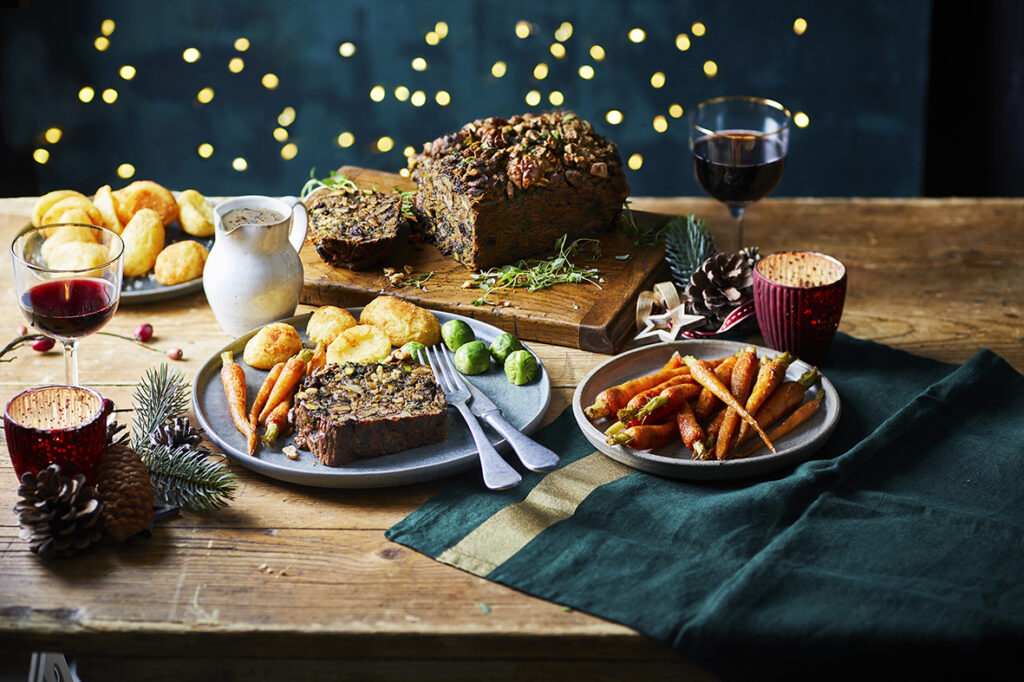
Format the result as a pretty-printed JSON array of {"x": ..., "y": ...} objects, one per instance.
[
  {"x": 143, "y": 241},
  {"x": 274, "y": 343},
  {"x": 362, "y": 343},
  {"x": 106, "y": 204},
  {"x": 81, "y": 256},
  {"x": 195, "y": 214},
  {"x": 76, "y": 206},
  {"x": 327, "y": 322},
  {"x": 44, "y": 203},
  {"x": 64, "y": 235},
  {"x": 146, "y": 194},
  {"x": 180, "y": 262},
  {"x": 402, "y": 321}
]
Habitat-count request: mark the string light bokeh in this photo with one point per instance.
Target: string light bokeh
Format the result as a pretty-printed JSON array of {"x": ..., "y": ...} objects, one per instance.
[{"x": 228, "y": 105}]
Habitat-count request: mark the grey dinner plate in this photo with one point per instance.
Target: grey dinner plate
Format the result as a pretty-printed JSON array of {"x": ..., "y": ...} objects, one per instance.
[
  {"x": 523, "y": 406},
  {"x": 674, "y": 460}
]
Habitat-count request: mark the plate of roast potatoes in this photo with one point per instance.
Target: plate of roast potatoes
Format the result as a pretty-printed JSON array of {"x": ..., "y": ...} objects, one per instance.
[{"x": 167, "y": 235}]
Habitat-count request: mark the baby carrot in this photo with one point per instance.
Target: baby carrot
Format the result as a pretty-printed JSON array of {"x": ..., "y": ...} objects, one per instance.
[
  {"x": 705, "y": 376},
  {"x": 690, "y": 430},
  {"x": 318, "y": 360},
  {"x": 665, "y": 403},
  {"x": 769, "y": 376},
  {"x": 277, "y": 422},
  {"x": 609, "y": 401},
  {"x": 637, "y": 402},
  {"x": 646, "y": 437},
  {"x": 264, "y": 393},
  {"x": 741, "y": 383},
  {"x": 707, "y": 402},
  {"x": 781, "y": 402},
  {"x": 291, "y": 375},
  {"x": 802, "y": 414},
  {"x": 232, "y": 376}
]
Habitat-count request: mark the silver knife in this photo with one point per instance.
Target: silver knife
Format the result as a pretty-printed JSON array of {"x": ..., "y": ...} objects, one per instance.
[{"x": 532, "y": 454}]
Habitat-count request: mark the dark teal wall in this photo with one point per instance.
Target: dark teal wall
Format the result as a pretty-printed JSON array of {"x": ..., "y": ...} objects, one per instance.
[{"x": 859, "y": 72}]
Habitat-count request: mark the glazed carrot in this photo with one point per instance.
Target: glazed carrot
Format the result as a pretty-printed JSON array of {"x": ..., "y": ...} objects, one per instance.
[
  {"x": 664, "y": 404},
  {"x": 690, "y": 430},
  {"x": 318, "y": 360},
  {"x": 646, "y": 437},
  {"x": 264, "y": 393},
  {"x": 286, "y": 384},
  {"x": 781, "y": 402},
  {"x": 802, "y": 414},
  {"x": 609, "y": 401},
  {"x": 741, "y": 383},
  {"x": 637, "y": 402},
  {"x": 770, "y": 375},
  {"x": 706, "y": 377},
  {"x": 707, "y": 402},
  {"x": 277, "y": 422},
  {"x": 232, "y": 376}
]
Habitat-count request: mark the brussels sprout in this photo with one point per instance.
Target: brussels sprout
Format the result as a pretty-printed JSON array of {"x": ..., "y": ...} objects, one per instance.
[
  {"x": 455, "y": 333},
  {"x": 473, "y": 358},
  {"x": 521, "y": 367},
  {"x": 413, "y": 348},
  {"x": 503, "y": 346}
]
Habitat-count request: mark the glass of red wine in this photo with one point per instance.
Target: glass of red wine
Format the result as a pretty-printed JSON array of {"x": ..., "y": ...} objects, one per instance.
[
  {"x": 68, "y": 278},
  {"x": 739, "y": 150}
]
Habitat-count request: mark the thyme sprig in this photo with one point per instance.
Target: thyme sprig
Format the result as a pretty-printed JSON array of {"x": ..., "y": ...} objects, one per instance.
[{"x": 534, "y": 274}]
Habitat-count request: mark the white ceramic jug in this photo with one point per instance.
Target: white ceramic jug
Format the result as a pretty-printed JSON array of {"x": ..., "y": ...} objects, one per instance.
[{"x": 253, "y": 275}]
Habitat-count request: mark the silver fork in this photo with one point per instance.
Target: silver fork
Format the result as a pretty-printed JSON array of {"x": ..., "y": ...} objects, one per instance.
[{"x": 497, "y": 472}]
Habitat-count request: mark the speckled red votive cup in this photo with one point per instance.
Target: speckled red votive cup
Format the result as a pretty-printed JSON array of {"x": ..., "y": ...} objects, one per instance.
[
  {"x": 65, "y": 425},
  {"x": 798, "y": 298}
]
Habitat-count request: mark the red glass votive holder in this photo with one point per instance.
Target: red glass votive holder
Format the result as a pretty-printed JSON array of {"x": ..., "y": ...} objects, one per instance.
[
  {"x": 65, "y": 425},
  {"x": 798, "y": 298}
]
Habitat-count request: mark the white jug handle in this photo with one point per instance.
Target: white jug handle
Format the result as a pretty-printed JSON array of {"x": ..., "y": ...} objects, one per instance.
[{"x": 300, "y": 223}]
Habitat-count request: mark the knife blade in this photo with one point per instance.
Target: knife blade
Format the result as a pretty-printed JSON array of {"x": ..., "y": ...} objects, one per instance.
[{"x": 532, "y": 454}]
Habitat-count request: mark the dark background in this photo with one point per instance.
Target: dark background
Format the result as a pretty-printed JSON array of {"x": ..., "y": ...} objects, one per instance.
[{"x": 904, "y": 98}]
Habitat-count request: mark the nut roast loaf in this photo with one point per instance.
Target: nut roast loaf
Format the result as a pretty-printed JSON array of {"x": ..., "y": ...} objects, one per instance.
[{"x": 500, "y": 190}]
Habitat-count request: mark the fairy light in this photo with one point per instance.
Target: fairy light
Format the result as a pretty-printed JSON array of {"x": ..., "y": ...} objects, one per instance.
[
  {"x": 682, "y": 42},
  {"x": 418, "y": 98},
  {"x": 40, "y": 156},
  {"x": 205, "y": 96},
  {"x": 432, "y": 38},
  {"x": 675, "y": 110},
  {"x": 280, "y": 134},
  {"x": 107, "y": 27},
  {"x": 558, "y": 50},
  {"x": 614, "y": 117},
  {"x": 127, "y": 72},
  {"x": 289, "y": 151},
  {"x": 205, "y": 150},
  {"x": 443, "y": 98},
  {"x": 346, "y": 139},
  {"x": 498, "y": 69},
  {"x": 710, "y": 69},
  {"x": 540, "y": 72},
  {"x": 698, "y": 29},
  {"x": 239, "y": 164},
  {"x": 191, "y": 55},
  {"x": 801, "y": 120},
  {"x": 408, "y": 151},
  {"x": 86, "y": 94},
  {"x": 533, "y": 98},
  {"x": 401, "y": 93},
  {"x": 385, "y": 144},
  {"x": 522, "y": 29},
  {"x": 125, "y": 171},
  {"x": 286, "y": 117},
  {"x": 596, "y": 53},
  {"x": 799, "y": 26},
  {"x": 660, "y": 124},
  {"x": 53, "y": 135},
  {"x": 242, "y": 44},
  {"x": 636, "y": 162},
  {"x": 109, "y": 95},
  {"x": 347, "y": 49},
  {"x": 637, "y": 35},
  {"x": 556, "y": 98},
  {"x": 657, "y": 80},
  {"x": 269, "y": 81},
  {"x": 101, "y": 43},
  {"x": 586, "y": 72},
  {"x": 563, "y": 32},
  {"x": 419, "y": 64},
  {"x": 441, "y": 29},
  {"x": 404, "y": 172},
  {"x": 236, "y": 65},
  {"x": 377, "y": 93}
]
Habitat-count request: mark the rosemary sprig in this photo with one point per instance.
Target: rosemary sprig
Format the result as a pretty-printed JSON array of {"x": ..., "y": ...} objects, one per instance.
[{"x": 533, "y": 274}]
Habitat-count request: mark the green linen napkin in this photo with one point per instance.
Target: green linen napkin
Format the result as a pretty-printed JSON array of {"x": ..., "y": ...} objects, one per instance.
[{"x": 900, "y": 550}]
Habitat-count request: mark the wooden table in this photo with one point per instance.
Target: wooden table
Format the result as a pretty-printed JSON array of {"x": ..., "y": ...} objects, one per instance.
[{"x": 938, "y": 278}]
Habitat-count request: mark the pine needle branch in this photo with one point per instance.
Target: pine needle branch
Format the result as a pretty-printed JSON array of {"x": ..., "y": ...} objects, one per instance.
[
  {"x": 687, "y": 245},
  {"x": 183, "y": 479},
  {"x": 161, "y": 395}
]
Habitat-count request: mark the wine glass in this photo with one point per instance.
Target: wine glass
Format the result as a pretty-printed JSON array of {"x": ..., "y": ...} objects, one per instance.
[
  {"x": 739, "y": 150},
  {"x": 68, "y": 278}
]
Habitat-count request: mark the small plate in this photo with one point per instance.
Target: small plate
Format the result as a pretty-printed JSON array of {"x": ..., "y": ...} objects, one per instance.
[
  {"x": 674, "y": 460},
  {"x": 523, "y": 407}
]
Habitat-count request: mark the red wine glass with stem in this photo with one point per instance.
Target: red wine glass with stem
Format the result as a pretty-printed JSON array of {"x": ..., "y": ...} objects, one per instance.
[
  {"x": 68, "y": 280},
  {"x": 739, "y": 149}
]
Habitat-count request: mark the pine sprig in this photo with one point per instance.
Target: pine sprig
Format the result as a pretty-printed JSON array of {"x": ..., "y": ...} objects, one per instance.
[
  {"x": 186, "y": 480},
  {"x": 161, "y": 395},
  {"x": 687, "y": 245}
]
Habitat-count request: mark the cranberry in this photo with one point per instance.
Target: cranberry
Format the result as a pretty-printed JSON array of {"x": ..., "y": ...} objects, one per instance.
[
  {"x": 144, "y": 332},
  {"x": 174, "y": 353},
  {"x": 42, "y": 345},
  {"x": 22, "y": 330}
]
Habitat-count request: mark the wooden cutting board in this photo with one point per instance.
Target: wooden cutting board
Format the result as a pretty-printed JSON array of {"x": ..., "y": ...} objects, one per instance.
[{"x": 575, "y": 315}]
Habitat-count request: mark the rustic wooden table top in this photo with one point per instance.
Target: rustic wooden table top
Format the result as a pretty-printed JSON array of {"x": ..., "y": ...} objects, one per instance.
[{"x": 938, "y": 278}]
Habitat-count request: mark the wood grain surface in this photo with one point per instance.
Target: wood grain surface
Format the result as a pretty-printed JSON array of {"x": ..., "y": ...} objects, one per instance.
[
  {"x": 586, "y": 316},
  {"x": 938, "y": 278}
]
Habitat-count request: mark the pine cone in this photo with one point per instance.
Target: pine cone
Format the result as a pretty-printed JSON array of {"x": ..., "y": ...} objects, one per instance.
[
  {"x": 126, "y": 492},
  {"x": 180, "y": 432},
  {"x": 721, "y": 284},
  {"x": 58, "y": 515},
  {"x": 116, "y": 433}
]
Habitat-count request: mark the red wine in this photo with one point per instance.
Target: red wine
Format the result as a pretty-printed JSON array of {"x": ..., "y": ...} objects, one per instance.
[
  {"x": 738, "y": 166},
  {"x": 69, "y": 308}
]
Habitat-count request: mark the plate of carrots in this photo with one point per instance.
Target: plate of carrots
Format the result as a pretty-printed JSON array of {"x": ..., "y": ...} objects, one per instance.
[{"x": 706, "y": 409}]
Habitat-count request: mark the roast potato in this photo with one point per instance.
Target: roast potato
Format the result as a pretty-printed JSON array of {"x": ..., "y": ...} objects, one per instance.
[
  {"x": 327, "y": 322},
  {"x": 64, "y": 235},
  {"x": 274, "y": 343},
  {"x": 80, "y": 204},
  {"x": 195, "y": 214},
  {"x": 44, "y": 203},
  {"x": 361, "y": 343},
  {"x": 143, "y": 241},
  {"x": 180, "y": 262},
  {"x": 106, "y": 204},
  {"x": 146, "y": 194},
  {"x": 80, "y": 256},
  {"x": 402, "y": 321}
]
